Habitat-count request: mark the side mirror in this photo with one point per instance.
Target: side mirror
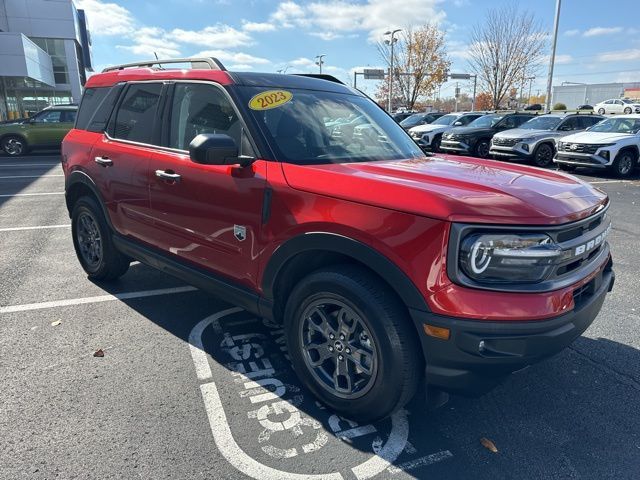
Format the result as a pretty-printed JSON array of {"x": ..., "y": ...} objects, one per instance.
[
  {"x": 216, "y": 149},
  {"x": 457, "y": 124},
  {"x": 31, "y": 120}
]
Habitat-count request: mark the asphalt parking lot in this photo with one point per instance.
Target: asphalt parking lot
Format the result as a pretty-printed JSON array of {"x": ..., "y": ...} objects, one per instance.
[{"x": 176, "y": 394}]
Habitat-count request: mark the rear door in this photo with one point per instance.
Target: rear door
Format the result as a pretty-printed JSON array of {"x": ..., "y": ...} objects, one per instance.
[{"x": 210, "y": 215}]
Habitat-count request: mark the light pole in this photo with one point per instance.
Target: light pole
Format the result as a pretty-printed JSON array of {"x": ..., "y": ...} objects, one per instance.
[
  {"x": 531, "y": 79},
  {"x": 283, "y": 70},
  {"x": 553, "y": 55},
  {"x": 390, "y": 42},
  {"x": 319, "y": 61}
]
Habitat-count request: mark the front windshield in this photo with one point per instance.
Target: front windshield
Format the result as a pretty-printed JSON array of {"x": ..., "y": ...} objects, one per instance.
[
  {"x": 617, "y": 125},
  {"x": 413, "y": 120},
  {"x": 486, "y": 121},
  {"x": 626, "y": 100},
  {"x": 541, "y": 123},
  {"x": 297, "y": 134},
  {"x": 445, "y": 120}
]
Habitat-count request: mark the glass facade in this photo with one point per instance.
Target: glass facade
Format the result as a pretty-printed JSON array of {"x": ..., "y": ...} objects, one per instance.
[
  {"x": 24, "y": 97},
  {"x": 55, "y": 48}
]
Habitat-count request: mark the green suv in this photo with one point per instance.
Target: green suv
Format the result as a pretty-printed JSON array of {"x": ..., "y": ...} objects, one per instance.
[{"x": 45, "y": 129}]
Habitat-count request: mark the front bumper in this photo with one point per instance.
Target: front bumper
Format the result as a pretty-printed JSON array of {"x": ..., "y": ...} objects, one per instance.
[
  {"x": 480, "y": 354},
  {"x": 455, "y": 146},
  {"x": 582, "y": 160},
  {"x": 510, "y": 152}
]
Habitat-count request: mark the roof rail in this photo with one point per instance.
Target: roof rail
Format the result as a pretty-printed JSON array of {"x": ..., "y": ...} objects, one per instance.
[
  {"x": 197, "y": 63},
  {"x": 321, "y": 76}
]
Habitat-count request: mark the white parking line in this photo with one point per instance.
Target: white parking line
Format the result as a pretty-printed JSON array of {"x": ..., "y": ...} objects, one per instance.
[
  {"x": 101, "y": 298},
  {"x": 29, "y": 164},
  {"x": 31, "y": 176},
  {"x": 611, "y": 181},
  {"x": 32, "y": 194},
  {"x": 39, "y": 227}
]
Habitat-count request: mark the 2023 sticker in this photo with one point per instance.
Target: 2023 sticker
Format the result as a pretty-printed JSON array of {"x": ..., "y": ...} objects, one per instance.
[{"x": 270, "y": 99}]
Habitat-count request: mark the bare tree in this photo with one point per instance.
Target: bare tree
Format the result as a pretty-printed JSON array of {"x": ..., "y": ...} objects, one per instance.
[
  {"x": 420, "y": 63},
  {"x": 506, "y": 47}
]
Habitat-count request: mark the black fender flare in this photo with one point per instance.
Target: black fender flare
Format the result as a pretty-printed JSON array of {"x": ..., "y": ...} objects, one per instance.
[
  {"x": 79, "y": 177},
  {"x": 380, "y": 264}
]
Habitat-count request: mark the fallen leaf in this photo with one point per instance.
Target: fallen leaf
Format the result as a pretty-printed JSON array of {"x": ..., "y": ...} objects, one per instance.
[
  {"x": 56, "y": 323},
  {"x": 488, "y": 444},
  {"x": 99, "y": 353}
]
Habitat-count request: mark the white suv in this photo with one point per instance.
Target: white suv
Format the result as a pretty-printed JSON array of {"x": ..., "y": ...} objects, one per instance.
[
  {"x": 612, "y": 144},
  {"x": 617, "y": 105},
  {"x": 428, "y": 136}
]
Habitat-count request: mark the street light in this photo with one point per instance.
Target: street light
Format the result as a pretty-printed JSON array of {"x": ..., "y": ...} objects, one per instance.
[
  {"x": 390, "y": 42},
  {"x": 552, "y": 58},
  {"x": 319, "y": 61}
]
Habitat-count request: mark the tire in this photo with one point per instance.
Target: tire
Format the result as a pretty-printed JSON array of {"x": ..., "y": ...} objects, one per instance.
[
  {"x": 624, "y": 164},
  {"x": 435, "y": 143},
  {"x": 93, "y": 244},
  {"x": 14, "y": 146},
  {"x": 627, "y": 110},
  {"x": 601, "y": 111},
  {"x": 481, "y": 150},
  {"x": 567, "y": 168},
  {"x": 543, "y": 155},
  {"x": 389, "y": 360}
]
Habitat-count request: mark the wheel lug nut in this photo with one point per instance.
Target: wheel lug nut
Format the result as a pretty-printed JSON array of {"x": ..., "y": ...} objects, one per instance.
[
  {"x": 330, "y": 348},
  {"x": 340, "y": 357},
  {"x": 332, "y": 336},
  {"x": 348, "y": 351},
  {"x": 341, "y": 336}
]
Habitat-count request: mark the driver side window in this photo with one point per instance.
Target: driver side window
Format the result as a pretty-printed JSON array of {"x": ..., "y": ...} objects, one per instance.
[{"x": 52, "y": 116}]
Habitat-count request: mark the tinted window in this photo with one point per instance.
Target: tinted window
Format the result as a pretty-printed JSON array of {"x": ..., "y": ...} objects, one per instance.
[
  {"x": 511, "y": 121},
  {"x": 50, "y": 116},
  {"x": 91, "y": 100},
  {"x": 136, "y": 115},
  {"x": 199, "y": 108},
  {"x": 68, "y": 116},
  {"x": 571, "y": 123},
  {"x": 586, "y": 122}
]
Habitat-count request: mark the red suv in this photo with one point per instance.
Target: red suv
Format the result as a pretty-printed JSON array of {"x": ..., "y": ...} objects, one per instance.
[{"x": 388, "y": 268}]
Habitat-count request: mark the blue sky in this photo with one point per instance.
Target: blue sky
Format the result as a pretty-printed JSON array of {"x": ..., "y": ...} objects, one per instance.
[{"x": 599, "y": 41}]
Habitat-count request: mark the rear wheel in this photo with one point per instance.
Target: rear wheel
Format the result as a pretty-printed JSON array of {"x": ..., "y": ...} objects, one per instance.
[
  {"x": 351, "y": 344},
  {"x": 625, "y": 163},
  {"x": 14, "y": 146},
  {"x": 482, "y": 148},
  {"x": 92, "y": 241},
  {"x": 543, "y": 155},
  {"x": 627, "y": 110},
  {"x": 601, "y": 111}
]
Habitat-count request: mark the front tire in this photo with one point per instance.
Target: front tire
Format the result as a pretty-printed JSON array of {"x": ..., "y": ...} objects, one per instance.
[
  {"x": 601, "y": 111},
  {"x": 543, "y": 155},
  {"x": 351, "y": 343},
  {"x": 14, "y": 146},
  {"x": 624, "y": 164},
  {"x": 435, "y": 144},
  {"x": 627, "y": 110},
  {"x": 93, "y": 244},
  {"x": 481, "y": 149}
]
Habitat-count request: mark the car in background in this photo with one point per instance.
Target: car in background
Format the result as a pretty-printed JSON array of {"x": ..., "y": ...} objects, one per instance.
[
  {"x": 429, "y": 136},
  {"x": 475, "y": 138},
  {"x": 419, "y": 119},
  {"x": 45, "y": 129},
  {"x": 535, "y": 140},
  {"x": 400, "y": 116},
  {"x": 617, "y": 105},
  {"x": 534, "y": 106},
  {"x": 347, "y": 127},
  {"x": 612, "y": 144},
  {"x": 584, "y": 107}
]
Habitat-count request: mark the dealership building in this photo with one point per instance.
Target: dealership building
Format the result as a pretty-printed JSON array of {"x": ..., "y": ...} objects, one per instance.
[
  {"x": 590, "y": 94},
  {"x": 45, "y": 52}
]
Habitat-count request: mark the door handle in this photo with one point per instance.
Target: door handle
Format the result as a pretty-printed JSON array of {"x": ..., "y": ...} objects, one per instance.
[
  {"x": 168, "y": 175},
  {"x": 103, "y": 161}
]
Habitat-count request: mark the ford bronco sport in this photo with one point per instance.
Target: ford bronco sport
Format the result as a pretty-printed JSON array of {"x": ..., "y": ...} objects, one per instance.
[{"x": 388, "y": 268}]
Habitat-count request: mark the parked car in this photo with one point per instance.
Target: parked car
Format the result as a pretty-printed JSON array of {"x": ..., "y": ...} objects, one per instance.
[
  {"x": 429, "y": 136},
  {"x": 535, "y": 140},
  {"x": 230, "y": 182},
  {"x": 617, "y": 105},
  {"x": 584, "y": 107},
  {"x": 398, "y": 117},
  {"x": 419, "y": 119},
  {"x": 534, "y": 106},
  {"x": 45, "y": 129},
  {"x": 612, "y": 144},
  {"x": 475, "y": 138}
]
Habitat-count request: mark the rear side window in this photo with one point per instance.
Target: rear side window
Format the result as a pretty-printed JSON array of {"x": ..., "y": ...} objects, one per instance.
[
  {"x": 68, "y": 116},
  {"x": 587, "y": 122},
  {"x": 136, "y": 114},
  {"x": 96, "y": 107}
]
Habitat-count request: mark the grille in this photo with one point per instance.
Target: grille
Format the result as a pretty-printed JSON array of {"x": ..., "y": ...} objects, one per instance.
[
  {"x": 505, "y": 142},
  {"x": 579, "y": 147},
  {"x": 455, "y": 137}
]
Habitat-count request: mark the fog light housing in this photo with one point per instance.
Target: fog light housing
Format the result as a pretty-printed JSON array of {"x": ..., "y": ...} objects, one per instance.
[
  {"x": 605, "y": 154},
  {"x": 525, "y": 147}
]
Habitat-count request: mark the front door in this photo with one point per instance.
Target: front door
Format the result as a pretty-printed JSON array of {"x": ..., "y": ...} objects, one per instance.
[
  {"x": 48, "y": 128},
  {"x": 207, "y": 214}
]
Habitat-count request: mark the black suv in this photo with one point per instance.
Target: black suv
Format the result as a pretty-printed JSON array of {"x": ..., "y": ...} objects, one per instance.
[{"x": 475, "y": 138}]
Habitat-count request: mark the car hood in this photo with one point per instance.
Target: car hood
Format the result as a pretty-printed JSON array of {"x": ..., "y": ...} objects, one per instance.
[
  {"x": 429, "y": 127},
  {"x": 522, "y": 133},
  {"x": 595, "y": 137},
  {"x": 455, "y": 189},
  {"x": 470, "y": 130}
]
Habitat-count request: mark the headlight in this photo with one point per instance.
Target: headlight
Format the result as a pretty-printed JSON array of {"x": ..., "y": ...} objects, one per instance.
[{"x": 508, "y": 258}]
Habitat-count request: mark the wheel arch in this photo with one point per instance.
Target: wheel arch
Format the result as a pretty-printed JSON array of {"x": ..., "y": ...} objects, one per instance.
[
  {"x": 633, "y": 148},
  {"x": 79, "y": 184},
  {"x": 15, "y": 134},
  {"x": 305, "y": 253}
]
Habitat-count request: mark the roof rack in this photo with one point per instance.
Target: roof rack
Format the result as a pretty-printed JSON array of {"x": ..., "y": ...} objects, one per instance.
[{"x": 197, "y": 63}]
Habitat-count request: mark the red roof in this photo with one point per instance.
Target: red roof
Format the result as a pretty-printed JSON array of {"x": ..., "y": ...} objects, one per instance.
[{"x": 144, "y": 73}]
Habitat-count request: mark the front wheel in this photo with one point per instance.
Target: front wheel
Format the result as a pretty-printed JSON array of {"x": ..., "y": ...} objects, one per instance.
[
  {"x": 92, "y": 242},
  {"x": 482, "y": 148},
  {"x": 351, "y": 343},
  {"x": 435, "y": 144},
  {"x": 624, "y": 164},
  {"x": 14, "y": 146},
  {"x": 601, "y": 111},
  {"x": 627, "y": 110},
  {"x": 543, "y": 155}
]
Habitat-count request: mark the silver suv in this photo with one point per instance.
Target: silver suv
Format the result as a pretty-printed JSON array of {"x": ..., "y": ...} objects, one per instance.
[{"x": 535, "y": 140}]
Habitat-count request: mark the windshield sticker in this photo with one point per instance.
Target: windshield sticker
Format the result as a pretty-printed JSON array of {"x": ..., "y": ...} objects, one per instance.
[{"x": 270, "y": 99}]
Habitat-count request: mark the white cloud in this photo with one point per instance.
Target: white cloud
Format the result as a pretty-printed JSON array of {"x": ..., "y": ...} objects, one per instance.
[
  {"x": 572, "y": 33},
  {"x": 233, "y": 57},
  {"x": 222, "y": 36},
  {"x": 240, "y": 67},
  {"x": 597, "y": 31},
  {"x": 149, "y": 41},
  {"x": 302, "y": 62},
  {"x": 258, "y": 27},
  {"x": 625, "y": 77},
  {"x": 106, "y": 18},
  {"x": 288, "y": 14},
  {"x": 620, "y": 55},
  {"x": 327, "y": 36},
  {"x": 561, "y": 59}
]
